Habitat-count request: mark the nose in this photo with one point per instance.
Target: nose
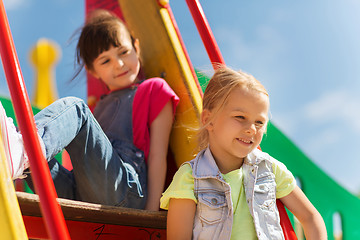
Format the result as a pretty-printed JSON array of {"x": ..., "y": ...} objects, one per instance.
[
  {"x": 250, "y": 129},
  {"x": 119, "y": 63}
]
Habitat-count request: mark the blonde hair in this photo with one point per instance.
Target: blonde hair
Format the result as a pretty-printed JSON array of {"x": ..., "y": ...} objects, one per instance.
[{"x": 222, "y": 83}]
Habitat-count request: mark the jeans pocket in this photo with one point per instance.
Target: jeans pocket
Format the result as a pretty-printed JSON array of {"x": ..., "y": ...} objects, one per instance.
[
  {"x": 129, "y": 153},
  {"x": 134, "y": 163},
  {"x": 211, "y": 207}
]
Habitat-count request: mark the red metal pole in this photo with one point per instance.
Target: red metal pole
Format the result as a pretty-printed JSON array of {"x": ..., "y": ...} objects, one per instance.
[
  {"x": 285, "y": 223},
  {"x": 205, "y": 32},
  {"x": 215, "y": 57},
  {"x": 44, "y": 186}
]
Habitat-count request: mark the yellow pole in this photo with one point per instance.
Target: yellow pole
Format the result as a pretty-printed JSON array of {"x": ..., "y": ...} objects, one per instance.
[
  {"x": 44, "y": 56},
  {"x": 11, "y": 223}
]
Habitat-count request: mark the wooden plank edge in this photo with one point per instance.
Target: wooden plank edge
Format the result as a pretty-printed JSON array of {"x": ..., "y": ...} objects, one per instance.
[{"x": 96, "y": 213}]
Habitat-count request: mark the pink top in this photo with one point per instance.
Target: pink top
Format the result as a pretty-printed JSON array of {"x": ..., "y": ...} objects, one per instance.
[{"x": 150, "y": 98}]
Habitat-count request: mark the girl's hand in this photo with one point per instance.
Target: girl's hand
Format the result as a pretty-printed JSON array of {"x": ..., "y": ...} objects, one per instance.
[
  {"x": 180, "y": 219},
  {"x": 306, "y": 213}
]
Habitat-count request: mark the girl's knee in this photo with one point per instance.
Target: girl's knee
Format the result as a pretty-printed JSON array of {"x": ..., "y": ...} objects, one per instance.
[
  {"x": 72, "y": 100},
  {"x": 69, "y": 102},
  {"x": 62, "y": 104}
]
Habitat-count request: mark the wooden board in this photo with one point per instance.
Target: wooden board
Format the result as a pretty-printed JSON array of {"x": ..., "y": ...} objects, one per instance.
[{"x": 94, "y": 221}]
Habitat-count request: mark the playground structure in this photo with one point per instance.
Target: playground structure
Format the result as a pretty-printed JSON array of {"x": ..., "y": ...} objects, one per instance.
[{"x": 168, "y": 58}]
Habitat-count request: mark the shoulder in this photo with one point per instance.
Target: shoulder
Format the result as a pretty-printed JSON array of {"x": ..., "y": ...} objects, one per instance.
[
  {"x": 157, "y": 88},
  {"x": 264, "y": 160},
  {"x": 276, "y": 164},
  {"x": 183, "y": 179},
  {"x": 259, "y": 156},
  {"x": 185, "y": 169},
  {"x": 154, "y": 83}
]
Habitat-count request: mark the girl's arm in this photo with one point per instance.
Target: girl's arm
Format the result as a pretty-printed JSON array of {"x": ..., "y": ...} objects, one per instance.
[
  {"x": 159, "y": 142},
  {"x": 306, "y": 213},
  {"x": 180, "y": 219}
]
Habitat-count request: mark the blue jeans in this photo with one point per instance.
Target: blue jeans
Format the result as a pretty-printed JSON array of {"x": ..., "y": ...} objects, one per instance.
[{"x": 101, "y": 174}]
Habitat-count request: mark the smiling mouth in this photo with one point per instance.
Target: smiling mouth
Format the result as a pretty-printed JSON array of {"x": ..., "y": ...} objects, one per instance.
[
  {"x": 245, "y": 141},
  {"x": 122, "y": 74}
]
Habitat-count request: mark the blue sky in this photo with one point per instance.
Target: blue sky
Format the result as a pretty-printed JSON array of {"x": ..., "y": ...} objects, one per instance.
[{"x": 306, "y": 53}]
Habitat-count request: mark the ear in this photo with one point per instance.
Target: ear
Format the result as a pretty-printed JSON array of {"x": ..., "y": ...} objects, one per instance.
[
  {"x": 206, "y": 116},
  {"x": 137, "y": 46}
]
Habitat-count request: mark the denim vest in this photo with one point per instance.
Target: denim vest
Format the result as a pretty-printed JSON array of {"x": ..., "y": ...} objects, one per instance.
[
  {"x": 114, "y": 114},
  {"x": 214, "y": 213}
]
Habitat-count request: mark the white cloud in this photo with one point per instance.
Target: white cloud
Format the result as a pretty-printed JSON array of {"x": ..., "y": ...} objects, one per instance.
[
  {"x": 328, "y": 124},
  {"x": 327, "y": 129},
  {"x": 272, "y": 41},
  {"x": 339, "y": 107},
  {"x": 14, "y": 4},
  {"x": 320, "y": 141},
  {"x": 266, "y": 46},
  {"x": 232, "y": 43},
  {"x": 336, "y": 106}
]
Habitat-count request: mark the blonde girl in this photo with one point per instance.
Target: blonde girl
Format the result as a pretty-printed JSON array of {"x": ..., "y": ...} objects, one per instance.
[
  {"x": 119, "y": 153},
  {"x": 229, "y": 190}
]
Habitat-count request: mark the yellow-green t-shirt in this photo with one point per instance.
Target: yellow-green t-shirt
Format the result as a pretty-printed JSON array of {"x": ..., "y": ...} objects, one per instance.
[{"x": 182, "y": 186}]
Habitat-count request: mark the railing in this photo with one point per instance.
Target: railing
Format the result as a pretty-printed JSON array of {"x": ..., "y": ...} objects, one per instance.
[{"x": 40, "y": 172}]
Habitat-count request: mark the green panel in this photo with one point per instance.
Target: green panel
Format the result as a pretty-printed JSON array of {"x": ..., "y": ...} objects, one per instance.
[{"x": 203, "y": 79}]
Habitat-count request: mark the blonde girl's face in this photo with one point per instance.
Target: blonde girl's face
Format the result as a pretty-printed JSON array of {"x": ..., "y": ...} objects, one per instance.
[
  {"x": 238, "y": 128},
  {"x": 118, "y": 67}
]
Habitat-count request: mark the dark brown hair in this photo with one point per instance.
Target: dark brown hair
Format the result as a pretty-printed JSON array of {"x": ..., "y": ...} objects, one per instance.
[{"x": 101, "y": 31}]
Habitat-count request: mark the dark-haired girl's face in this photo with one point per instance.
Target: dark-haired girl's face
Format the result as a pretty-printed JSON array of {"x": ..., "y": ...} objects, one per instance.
[{"x": 119, "y": 66}]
